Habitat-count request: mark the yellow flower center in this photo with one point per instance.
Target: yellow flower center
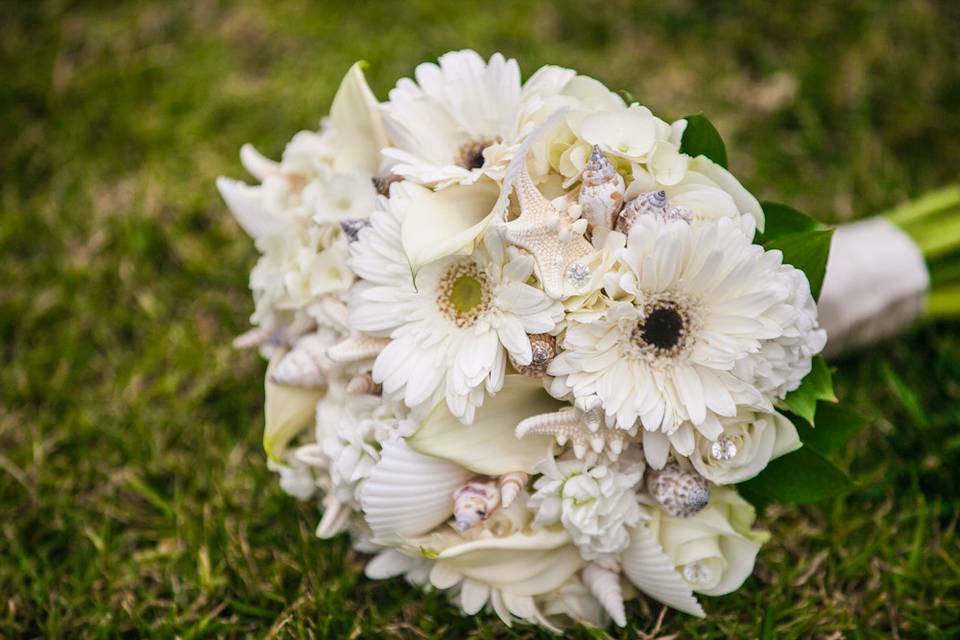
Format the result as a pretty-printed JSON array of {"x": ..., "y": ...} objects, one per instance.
[{"x": 463, "y": 293}]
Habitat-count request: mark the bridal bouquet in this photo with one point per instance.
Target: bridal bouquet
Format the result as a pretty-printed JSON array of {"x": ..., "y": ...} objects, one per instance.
[{"x": 527, "y": 340}]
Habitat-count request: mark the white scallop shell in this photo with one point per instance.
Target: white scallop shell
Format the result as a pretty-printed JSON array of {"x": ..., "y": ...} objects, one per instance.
[
  {"x": 605, "y": 587},
  {"x": 305, "y": 365},
  {"x": 601, "y": 192},
  {"x": 652, "y": 572},
  {"x": 407, "y": 493},
  {"x": 257, "y": 164}
]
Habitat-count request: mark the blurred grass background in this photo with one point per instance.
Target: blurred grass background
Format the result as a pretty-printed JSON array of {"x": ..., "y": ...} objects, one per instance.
[{"x": 134, "y": 498}]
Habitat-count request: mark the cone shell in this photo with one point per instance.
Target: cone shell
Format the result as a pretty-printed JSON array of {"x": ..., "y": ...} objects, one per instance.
[
  {"x": 305, "y": 365},
  {"x": 649, "y": 203},
  {"x": 544, "y": 349},
  {"x": 363, "y": 384},
  {"x": 407, "y": 493},
  {"x": 605, "y": 587},
  {"x": 357, "y": 348},
  {"x": 474, "y": 502},
  {"x": 601, "y": 191},
  {"x": 652, "y": 572},
  {"x": 511, "y": 484},
  {"x": 680, "y": 492}
]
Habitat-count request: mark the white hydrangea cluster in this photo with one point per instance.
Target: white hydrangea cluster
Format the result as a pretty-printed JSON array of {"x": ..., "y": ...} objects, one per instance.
[{"x": 534, "y": 338}]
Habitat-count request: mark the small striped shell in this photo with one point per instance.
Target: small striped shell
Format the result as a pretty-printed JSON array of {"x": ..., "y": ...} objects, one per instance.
[
  {"x": 474, "y": 502},
  {"x": 544, "y": 349},
  {"x": 601, "y": 191},
  {"x": 305, "y": 365},
  {"x": 511, "y": 484},
  {"x": 407, "y": 493},
  {"x": 363, "y": 384},
  {"x": 605, "y": 587},
  {"x": 680, "y": 492},
  {"x": 649, "y": 203},
  {"x": 652, "y": 572}
]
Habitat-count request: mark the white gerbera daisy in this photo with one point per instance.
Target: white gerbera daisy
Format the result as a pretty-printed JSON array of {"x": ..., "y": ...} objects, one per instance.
[
  {"x": 461, "y": 118},
  {"x": 451, "y": 332},
  {"x": 702, "y": 304}
]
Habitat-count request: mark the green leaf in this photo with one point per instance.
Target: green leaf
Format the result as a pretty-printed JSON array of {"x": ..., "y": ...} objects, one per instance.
[
  {"x": 701, "y": 138},
  {"x": 818, "y": 385},
  {"x": 807, "y": 251},
  {"x": 801, "y": 477},
  {"x": 835, "y": 425},
  {"x": 782, "y": 220}
]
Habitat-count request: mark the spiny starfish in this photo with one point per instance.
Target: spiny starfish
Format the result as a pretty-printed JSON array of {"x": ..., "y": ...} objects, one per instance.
[
  {"x": 543, "y": 231},
  {"x": 583, "y": 429}
]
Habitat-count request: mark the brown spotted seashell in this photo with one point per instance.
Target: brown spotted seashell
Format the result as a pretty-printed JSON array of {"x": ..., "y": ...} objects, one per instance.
[
  {"x": 474, "y": 502},
  {"x": 680, "y": 492},
  {"x": 601, "y": 191},
  {"x": 544, "y": 348}
]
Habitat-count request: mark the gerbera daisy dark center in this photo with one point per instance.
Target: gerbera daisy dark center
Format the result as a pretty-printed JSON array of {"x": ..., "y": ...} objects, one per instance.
[
  {"x": 663, "y": 329},
  {"x": 470, "y": 155}
]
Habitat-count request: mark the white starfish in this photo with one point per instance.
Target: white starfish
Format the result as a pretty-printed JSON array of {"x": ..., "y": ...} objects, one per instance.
[
  {"x": 546, "y": 233},
  {"x": 583, "y": 429}
]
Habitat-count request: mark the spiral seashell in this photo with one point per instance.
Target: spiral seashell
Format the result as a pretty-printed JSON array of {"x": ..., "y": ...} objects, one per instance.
[
  {"x": 680, "y": 492},
  {"x": 305, "y": 365},
  {"x": 474, "y": 502},
  {"x": 601, "y": 191},
  {"x": 680, "y": 213},
  {"x": 544, "y": 348},
  {"x": 605, "y": 587},
  {"x": 351, "y": 228},
  {"x": 511, "y": 484},
  {"x": 356, "y": 348},
  {"x": 649, "y": 203},
  {"x": 382, "y": 183},
  {"x": 253, "y": 338},
  {"x": 363, "y": 384}
]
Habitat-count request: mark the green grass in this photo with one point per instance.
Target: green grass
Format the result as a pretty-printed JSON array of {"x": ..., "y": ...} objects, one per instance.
[{"x": 134, "y": 498}]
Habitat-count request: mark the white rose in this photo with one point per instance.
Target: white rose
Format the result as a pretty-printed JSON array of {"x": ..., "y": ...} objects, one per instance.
[
  {"x": 715, "y": 549},
  {"x": 748, "y": 443}
]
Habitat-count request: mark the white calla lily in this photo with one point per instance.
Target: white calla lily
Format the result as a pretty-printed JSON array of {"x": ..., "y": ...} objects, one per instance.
[
  {"x": 746, "y": 202},
  {"x": 355, "y": 115},
  {"x": 244, "y": 203},
  {"x": 440, "y": 223},
  {"x": 489, "y": 446},
  {"x": 288, "y": 411}
]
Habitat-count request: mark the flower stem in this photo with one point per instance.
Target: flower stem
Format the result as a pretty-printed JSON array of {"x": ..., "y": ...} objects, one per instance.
[{"x": 925, "y": 207}]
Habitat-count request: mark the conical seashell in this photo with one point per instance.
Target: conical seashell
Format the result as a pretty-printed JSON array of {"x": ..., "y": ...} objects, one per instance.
[
  {"x": 334, "y": 311},
  {"x": 351, "y": 228},
  {"x": 356, "y": 348},
  {"x": 584, "y": 430},
  {"x": 680, "y": 213},
  {"x": 544, "y": 348},
  {"x": 305, "y": 365},
  {"x": 511, "y": 484},
  {"x": 257, "y": 164},
  {"x": 253, "y": 338},
  {"x": 363, "y": 383},
  {"x": 649, "y": 203},
  {"x": 474, "y": 502},
  {"x": 601, "y": 190},
  {"x": 652, "y": 572},
  {"x": 680, "y": 492},
  {"x": 407, "y": 493},
  {"x": 382, "y": 183},
  {"x": 605, "y": 587}
]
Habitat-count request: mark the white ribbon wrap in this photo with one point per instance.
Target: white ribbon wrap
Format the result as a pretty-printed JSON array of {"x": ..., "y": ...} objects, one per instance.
[{"x": 876, "y": 285}]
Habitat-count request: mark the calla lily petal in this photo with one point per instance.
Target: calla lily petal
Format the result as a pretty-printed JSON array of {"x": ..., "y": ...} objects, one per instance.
[
  {"x": 356, "y": 117},
  {"x": 489, "y": 445},
  {"x": 288, "y": 411}
]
